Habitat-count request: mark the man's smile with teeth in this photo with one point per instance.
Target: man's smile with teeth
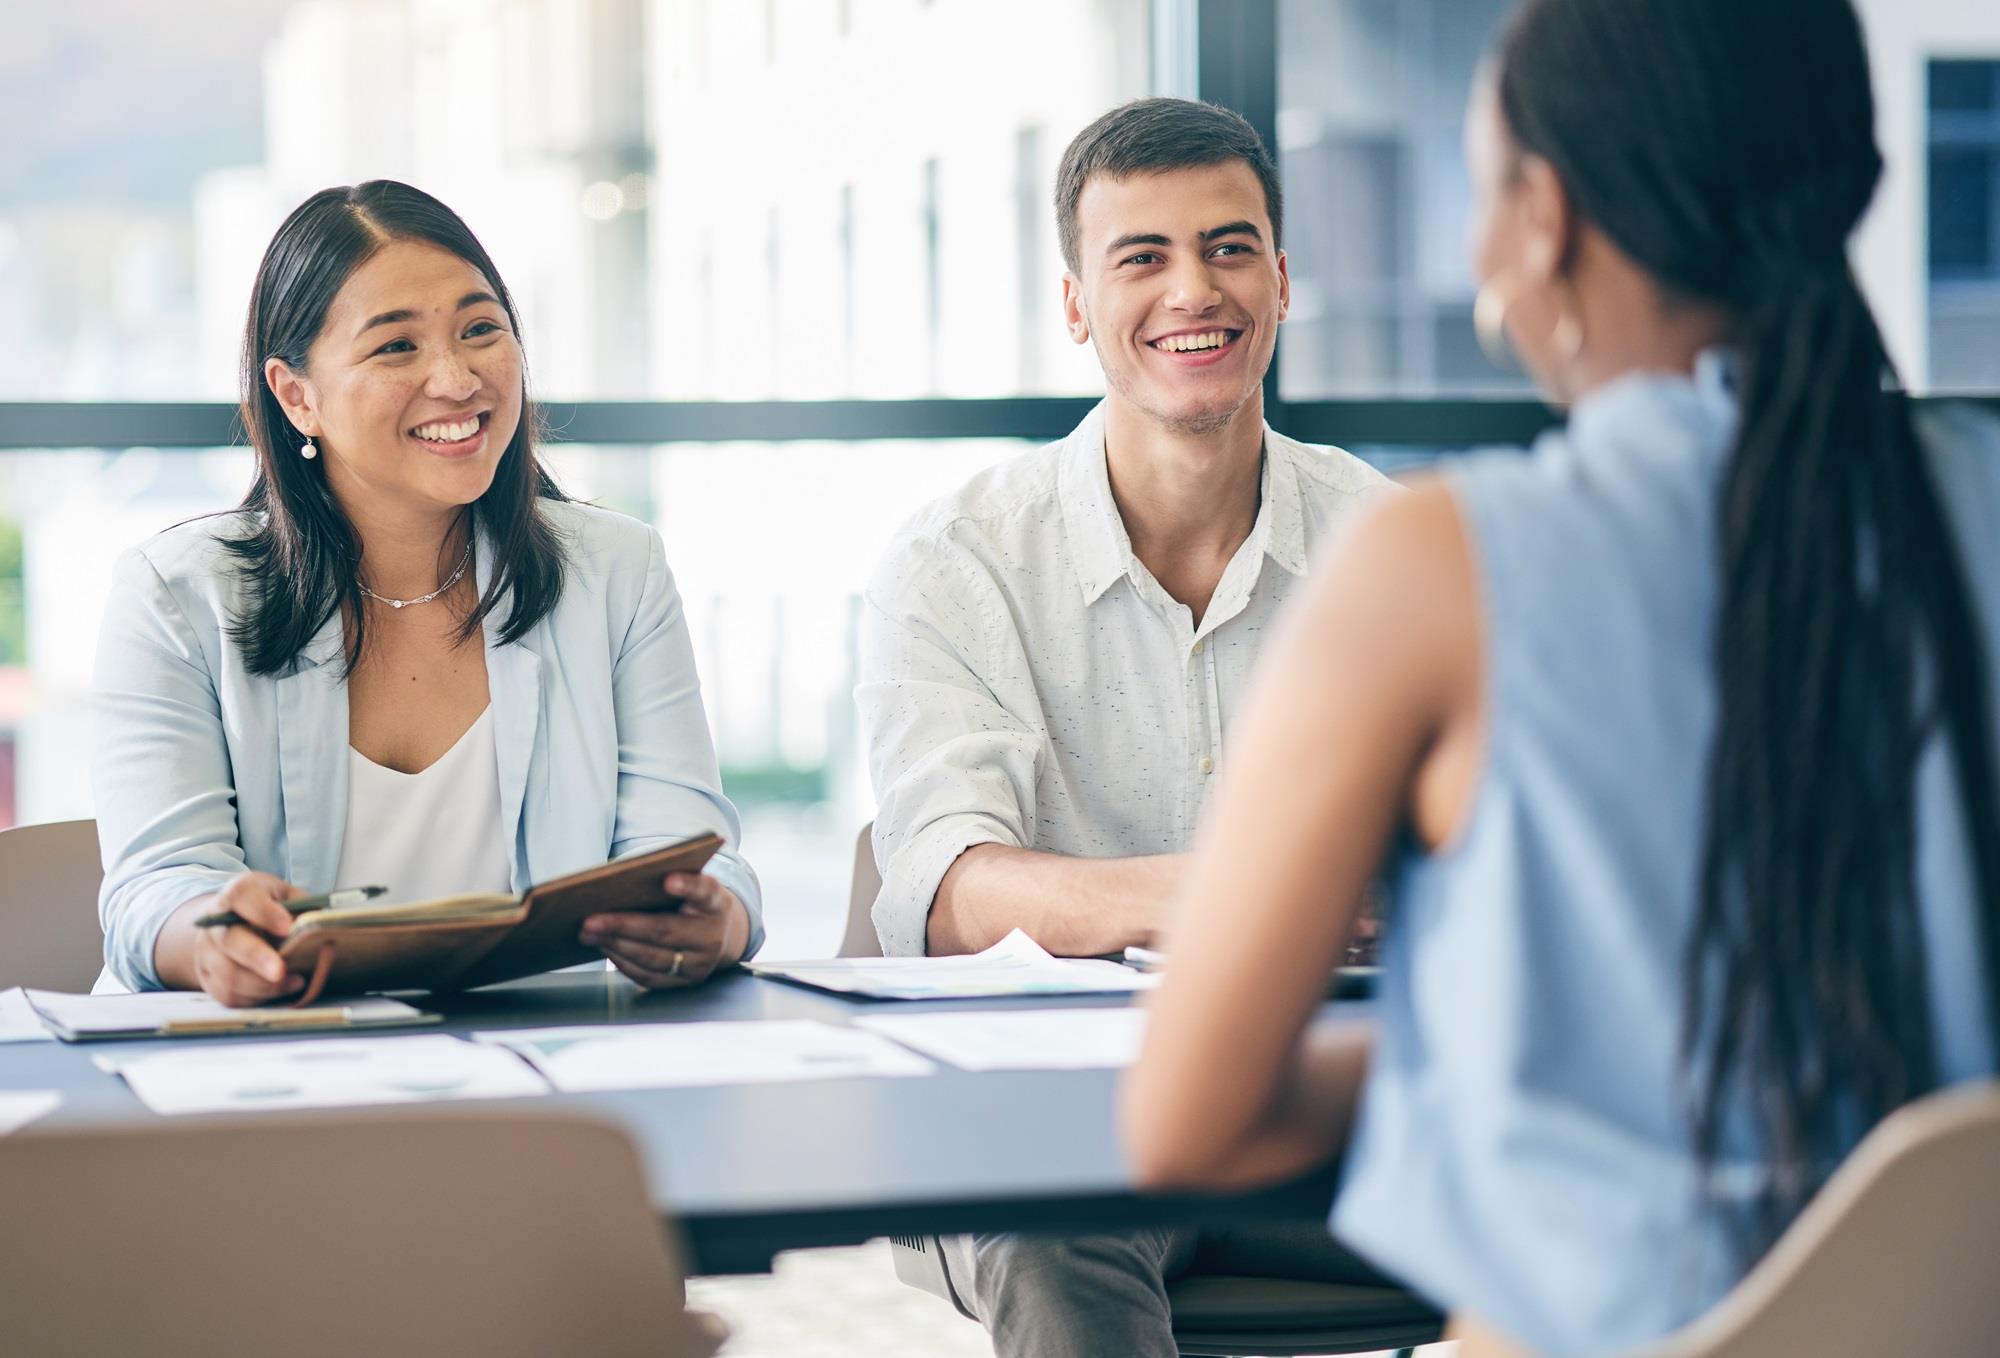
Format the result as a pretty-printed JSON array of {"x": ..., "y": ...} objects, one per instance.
[
  {"x": 1184, "y": 344},
  {"x": 453, "y": 432}
]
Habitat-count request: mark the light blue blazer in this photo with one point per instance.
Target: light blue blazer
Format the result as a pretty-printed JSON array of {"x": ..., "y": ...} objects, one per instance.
[{"x": 201, "y": 770}]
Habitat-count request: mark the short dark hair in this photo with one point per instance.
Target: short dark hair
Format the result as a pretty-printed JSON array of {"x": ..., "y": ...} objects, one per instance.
[
  {"x": 301, "y": 555},
  {"x": 1151, "y": 136}
]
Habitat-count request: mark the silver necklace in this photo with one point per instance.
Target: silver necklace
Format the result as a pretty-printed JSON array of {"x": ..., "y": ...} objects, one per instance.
[{"x": 456, "y": 576}]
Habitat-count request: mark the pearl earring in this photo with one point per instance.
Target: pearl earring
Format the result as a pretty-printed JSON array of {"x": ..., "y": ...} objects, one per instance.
[{"x": 307, "y": 451}]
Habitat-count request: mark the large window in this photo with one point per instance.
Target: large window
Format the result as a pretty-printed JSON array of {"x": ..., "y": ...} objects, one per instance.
[
  {"x": 787, "y": 269},
  {"x": 854, "y": 200},
  {"x": 693, "y": 200},
  {"x": 1371, "y": 103},
  {"x": 1371, "y": 100}
]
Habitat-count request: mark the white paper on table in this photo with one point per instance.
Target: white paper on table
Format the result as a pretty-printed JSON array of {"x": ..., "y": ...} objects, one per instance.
[
  {"x": 337, "y": 1072},
  {"x": 1016, "y": 965},
  {"x": 19, "y": 1107},
  {"x": 18, "y": 1020},
  {"x": 664, "y": 1055},
  {"x": 1019, "y": 1039},
  {"x": 159, "y": 1011}
]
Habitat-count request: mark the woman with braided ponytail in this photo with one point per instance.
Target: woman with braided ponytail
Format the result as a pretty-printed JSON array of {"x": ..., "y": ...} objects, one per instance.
[{"x": 1679, "y": 733}]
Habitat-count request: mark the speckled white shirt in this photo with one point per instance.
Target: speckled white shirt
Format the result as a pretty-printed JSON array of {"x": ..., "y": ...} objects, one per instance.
[{"x": 1026, "y": 681}]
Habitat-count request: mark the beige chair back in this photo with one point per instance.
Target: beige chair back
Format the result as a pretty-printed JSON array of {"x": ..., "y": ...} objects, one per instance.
[
  {"x": 49, "y": 935},
  {"x": 505, "y": 1234},
  {"x": 1895, "y": 1255},
  {"x": 860, "y": 939}
]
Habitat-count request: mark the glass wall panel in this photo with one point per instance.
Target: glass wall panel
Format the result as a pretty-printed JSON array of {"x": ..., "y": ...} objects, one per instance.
[
  {"x": 1371, "y": 98},
  {"x": 859, "y": 196},
  {"x": 690, "y": 198},
  {"x": 65, "y": 516},
  {"x": 771, "y": 546},
  {"x": 1371, "y": 95},
  {"x": 1964, "y": 245}
]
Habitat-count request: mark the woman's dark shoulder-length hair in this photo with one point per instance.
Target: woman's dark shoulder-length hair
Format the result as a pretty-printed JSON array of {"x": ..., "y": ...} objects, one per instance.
[{"x": 301, "y": 557}]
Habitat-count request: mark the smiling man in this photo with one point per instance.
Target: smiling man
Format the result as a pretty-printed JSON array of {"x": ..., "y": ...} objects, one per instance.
[{"x": 1052, "y": 655}]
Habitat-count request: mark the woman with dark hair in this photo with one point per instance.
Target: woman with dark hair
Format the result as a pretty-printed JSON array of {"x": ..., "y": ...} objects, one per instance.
[
  {"x": 406, "y": 658},
  {"x": 1679, "y": 733}
]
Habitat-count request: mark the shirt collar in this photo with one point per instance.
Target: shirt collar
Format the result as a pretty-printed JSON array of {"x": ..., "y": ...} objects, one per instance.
[
  {"x": 1100, "y": 550},
  {"x": 1280, "y": 512}
]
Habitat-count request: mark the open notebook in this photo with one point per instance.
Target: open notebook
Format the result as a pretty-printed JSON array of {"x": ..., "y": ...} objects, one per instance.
[{"x": 453, "y": 942}]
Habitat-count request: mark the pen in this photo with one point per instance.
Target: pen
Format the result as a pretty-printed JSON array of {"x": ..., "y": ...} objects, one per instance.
[{"x": 333, "y": 900}]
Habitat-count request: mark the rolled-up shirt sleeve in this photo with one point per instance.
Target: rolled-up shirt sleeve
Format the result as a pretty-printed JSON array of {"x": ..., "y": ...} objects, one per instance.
[
  {"x": 953, "y": 765},
  {"x": 159, "y": 770},
  {"x": 669, "y": 785}
]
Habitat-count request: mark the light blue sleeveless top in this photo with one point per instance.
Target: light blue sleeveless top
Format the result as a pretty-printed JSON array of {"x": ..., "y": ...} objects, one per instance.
[{"x": 1521, "y": 1152}]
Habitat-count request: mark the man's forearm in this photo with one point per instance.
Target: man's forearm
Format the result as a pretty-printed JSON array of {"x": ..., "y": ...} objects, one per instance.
[{"x": 1074, "y": 907}]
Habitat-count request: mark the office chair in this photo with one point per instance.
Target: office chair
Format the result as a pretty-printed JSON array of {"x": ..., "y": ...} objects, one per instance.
[
  {"x": 507, "y": 1234},
  {"x": 1895, "y": 1254},
  {"x": 49, "y": 935}
]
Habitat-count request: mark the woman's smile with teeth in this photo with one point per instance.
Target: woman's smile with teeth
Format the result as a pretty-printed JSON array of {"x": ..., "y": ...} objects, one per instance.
[
  {"x": 1182, "y": 344},
  {"x": 448, "y": 433}
]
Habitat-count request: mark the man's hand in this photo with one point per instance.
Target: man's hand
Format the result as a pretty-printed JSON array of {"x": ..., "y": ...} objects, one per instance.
[{"x": 661, "y": 949}]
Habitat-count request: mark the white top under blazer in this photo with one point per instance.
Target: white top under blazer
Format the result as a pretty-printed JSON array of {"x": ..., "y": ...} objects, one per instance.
[{"x": 435, "y": 832}]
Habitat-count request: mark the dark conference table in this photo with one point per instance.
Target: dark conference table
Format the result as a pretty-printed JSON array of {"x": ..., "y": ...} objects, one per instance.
[{"x": 748, "y": 1170}]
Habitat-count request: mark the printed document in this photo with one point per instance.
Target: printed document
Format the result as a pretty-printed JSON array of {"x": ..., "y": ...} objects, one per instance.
[
  {"x": 19, "y": 1107},
  {"x": 663, "y": 1055},
  {"x": 1016, "y": 965},
  {"x": 337, "y": 1072},
  {"x": 18, "y": 1020},
  {"x": 176, "y": 1013},
  {"x": 1019, "y": 1039}
]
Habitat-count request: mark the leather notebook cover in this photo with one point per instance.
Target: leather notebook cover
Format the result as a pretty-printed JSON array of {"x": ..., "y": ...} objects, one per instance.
[
  {"x": 538, "y": 934},
  {"x": 546, "y": 938}
]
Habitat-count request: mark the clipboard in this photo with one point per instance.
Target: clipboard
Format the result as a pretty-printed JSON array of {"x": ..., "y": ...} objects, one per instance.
[{"x": 187, "y": 1013}]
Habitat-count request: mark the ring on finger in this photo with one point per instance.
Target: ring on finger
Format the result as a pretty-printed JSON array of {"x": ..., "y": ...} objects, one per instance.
[{"x": 675, "y": 969}]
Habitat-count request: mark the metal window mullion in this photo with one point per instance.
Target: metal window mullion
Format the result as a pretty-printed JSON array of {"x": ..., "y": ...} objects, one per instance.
[
  {"x": 1236, "y": 66},
  {"x": 1426, "y": 424}
]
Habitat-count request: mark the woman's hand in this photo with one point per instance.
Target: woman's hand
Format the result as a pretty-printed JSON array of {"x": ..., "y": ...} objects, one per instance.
[
  {"x": 665, "y": 948},
  {"x": 235, "y": 963}
]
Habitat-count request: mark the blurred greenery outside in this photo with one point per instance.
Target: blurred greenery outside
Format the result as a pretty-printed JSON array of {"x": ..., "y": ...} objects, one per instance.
[
  {"x": 13, "y": 608},
  {"x": 774, "y": 784}
]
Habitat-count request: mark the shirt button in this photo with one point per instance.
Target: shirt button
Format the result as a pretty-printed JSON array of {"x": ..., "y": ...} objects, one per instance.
[
  {"x": 1197, "y": 647},
  {"x": 1206, "y": 765}
]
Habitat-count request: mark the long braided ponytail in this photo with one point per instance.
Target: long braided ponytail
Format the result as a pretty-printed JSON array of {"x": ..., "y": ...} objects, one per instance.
[{"x": 1728, "y": 147}]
